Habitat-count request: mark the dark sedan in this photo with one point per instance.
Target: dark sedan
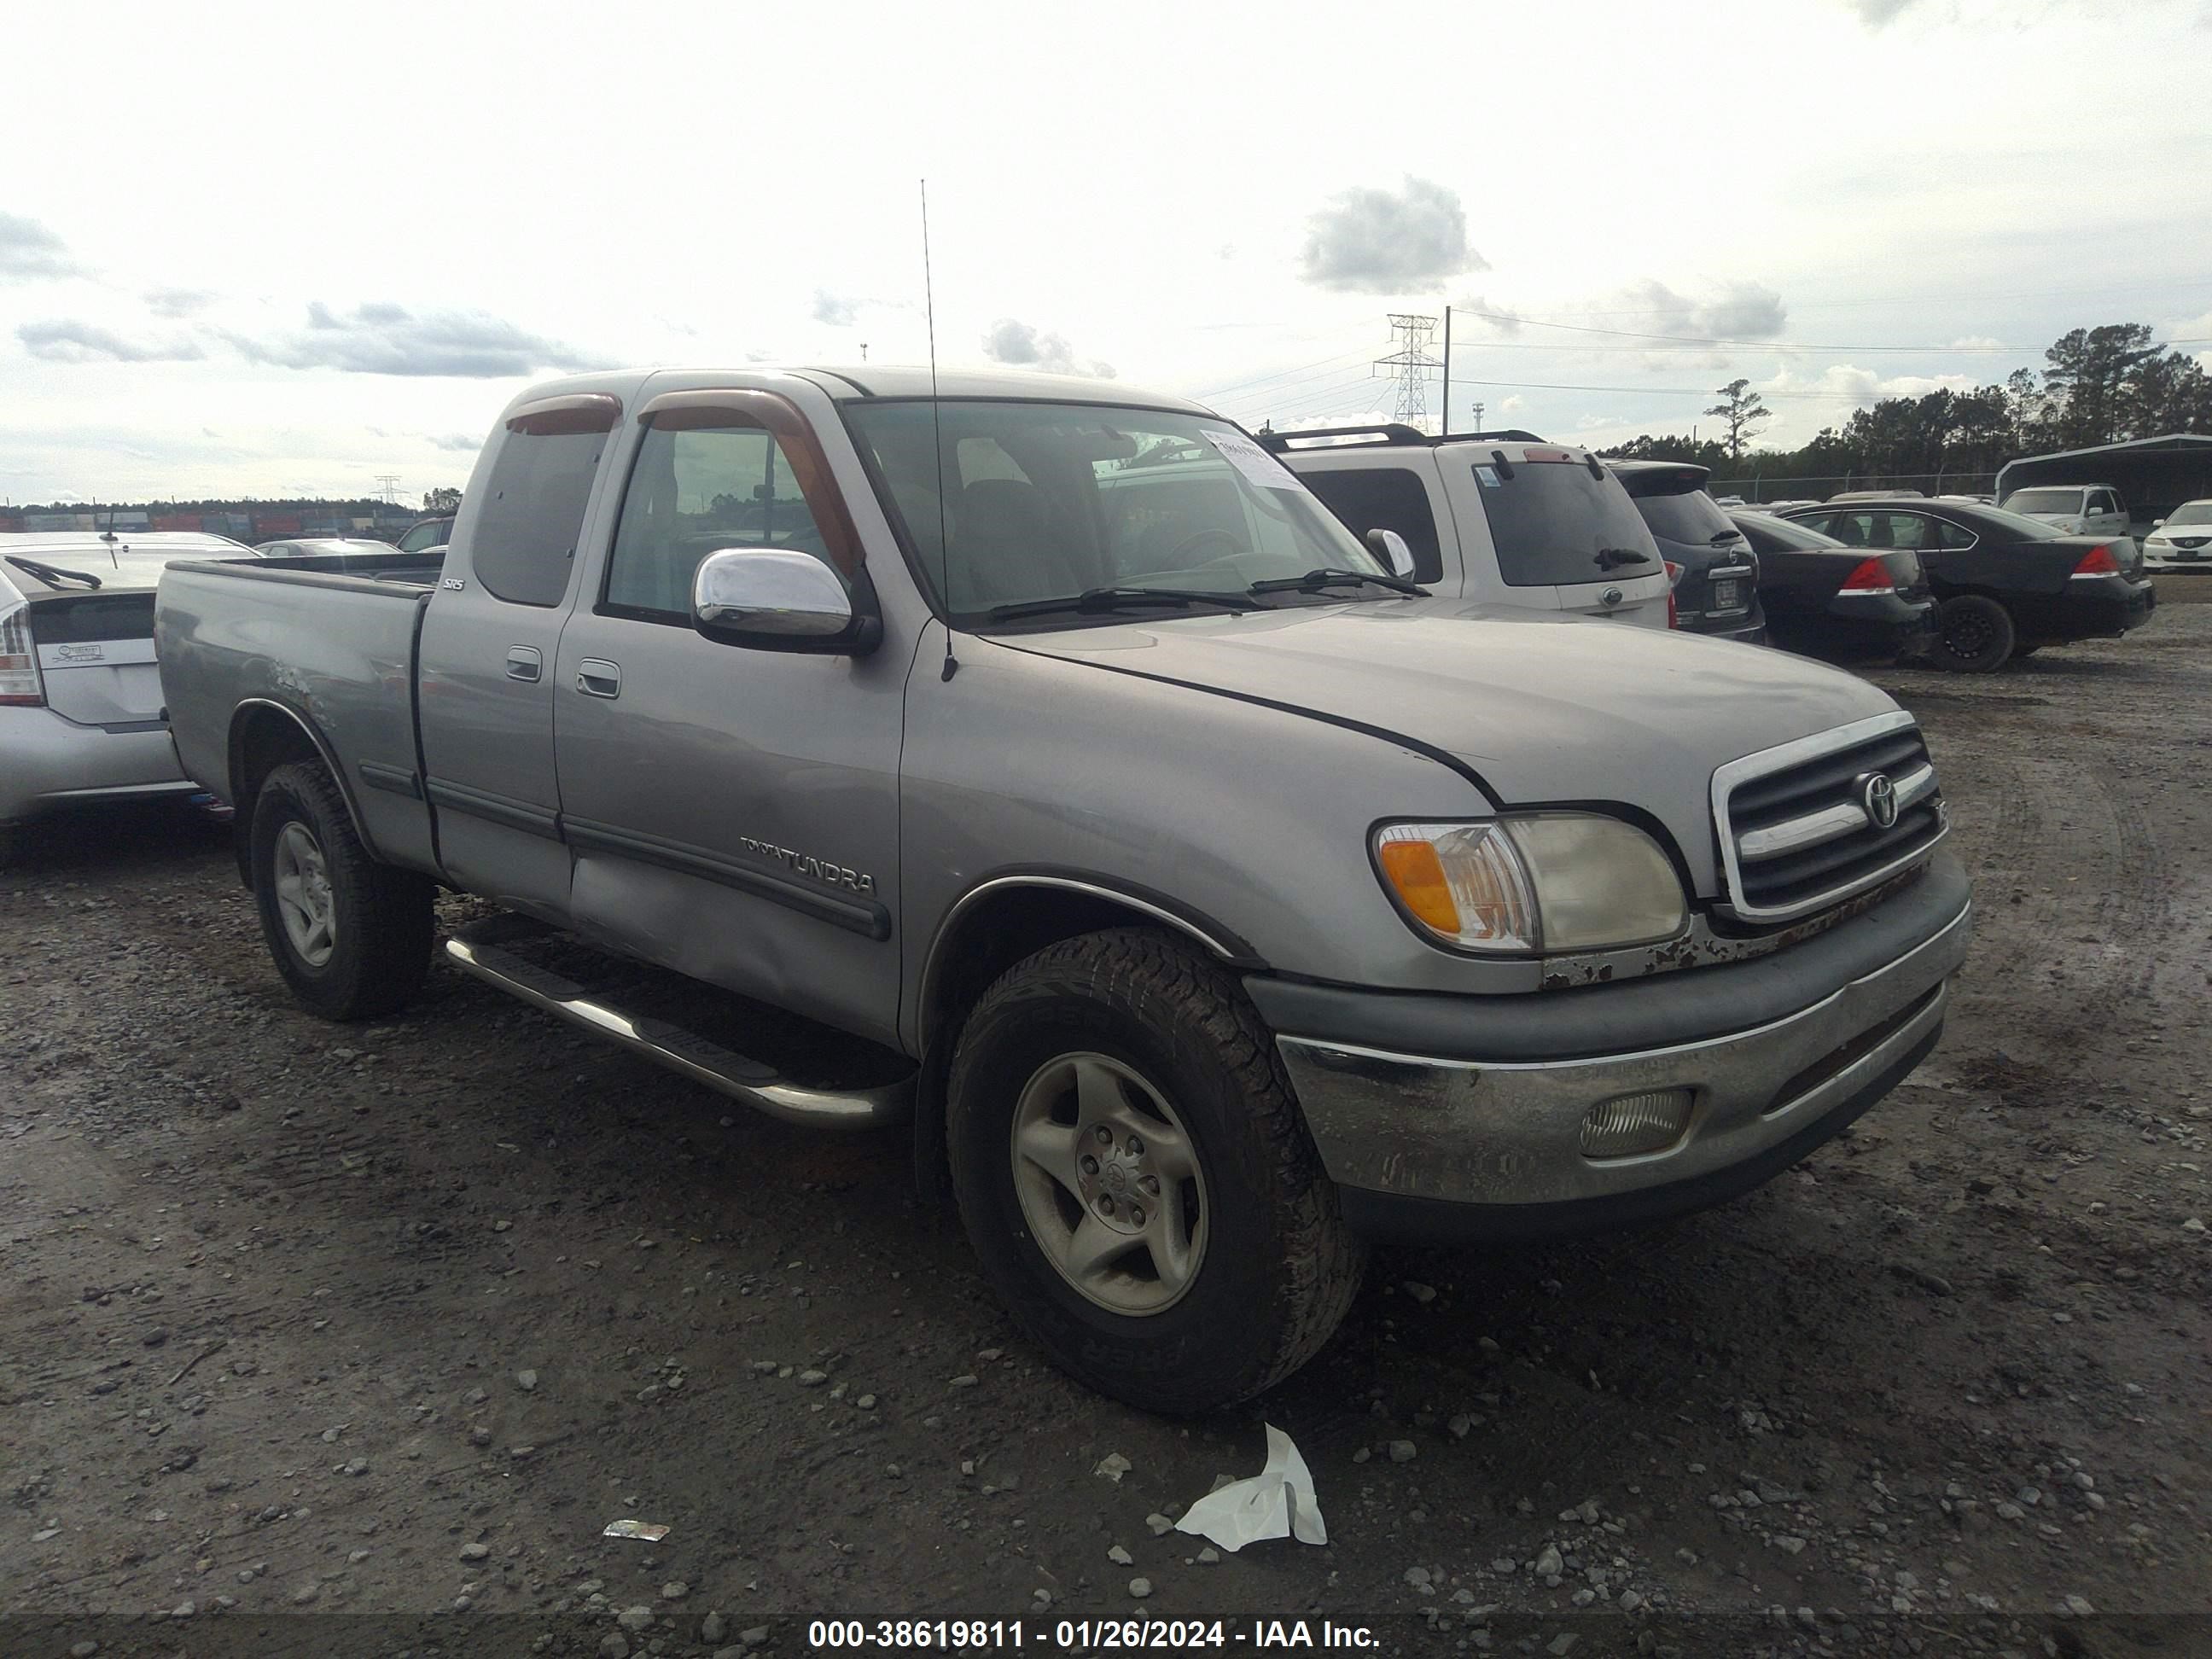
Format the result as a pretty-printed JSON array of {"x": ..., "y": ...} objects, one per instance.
[
  {"x": 1716, "y": 573},
  {"x": 1828, "y": 600},
  {"x": 2004, "y": 585}
]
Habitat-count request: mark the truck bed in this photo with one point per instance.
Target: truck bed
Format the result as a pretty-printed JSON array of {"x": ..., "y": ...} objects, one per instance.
[{"x": 330, "y": 638}]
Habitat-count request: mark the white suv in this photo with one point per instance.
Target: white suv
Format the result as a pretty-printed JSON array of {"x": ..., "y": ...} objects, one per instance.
[
  {"x": 2072, "y": 509},
  {"x": 1500, "y": 517}
]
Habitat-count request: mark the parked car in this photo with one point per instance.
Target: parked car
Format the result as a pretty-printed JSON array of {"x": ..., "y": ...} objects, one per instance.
[
  {"x": 80, "y": 700},
  {"x": 1832, "y": 599},
  {"x": 310, "y": 547},
  {"x": 1877, "y": 495},
  {"x": 1502, "y": 517},
  {"x": 2072, "y": 509},
  {"x": 427, "y": 534},
  {"x": 2005, "y": 585},
  {"x": 1204, "y": 898},
  {"x": 2183, "y": 537},
  {"x": 1783, "y": 506},
  {"x": 1716, "y": 573}
]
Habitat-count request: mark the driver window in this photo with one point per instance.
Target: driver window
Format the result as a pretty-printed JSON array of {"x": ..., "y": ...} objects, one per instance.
[{"x": 692, "y": 492}]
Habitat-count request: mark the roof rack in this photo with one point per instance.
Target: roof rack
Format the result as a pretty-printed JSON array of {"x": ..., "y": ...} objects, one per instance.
[{"x": 1393, "y": 432}]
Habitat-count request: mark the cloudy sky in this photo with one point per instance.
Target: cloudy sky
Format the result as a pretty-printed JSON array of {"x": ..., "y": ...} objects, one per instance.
[{"x": 278, "y": 250}]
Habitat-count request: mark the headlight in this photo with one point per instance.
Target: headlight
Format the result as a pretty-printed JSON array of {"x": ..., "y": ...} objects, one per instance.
[{"x": 1547, "y": 882}]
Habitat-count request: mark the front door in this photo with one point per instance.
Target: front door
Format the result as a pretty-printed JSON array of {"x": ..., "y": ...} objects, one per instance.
[
  {"x": 733, "y": 813},
  {"x": 489, "y": 639}
]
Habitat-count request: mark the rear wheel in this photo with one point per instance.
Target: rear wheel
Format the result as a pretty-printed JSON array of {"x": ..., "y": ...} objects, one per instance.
[
  {"x": 350, "y": 936},
  {"x": 1135, "y": 1177},
  {"x": 1976, "y": 635}
]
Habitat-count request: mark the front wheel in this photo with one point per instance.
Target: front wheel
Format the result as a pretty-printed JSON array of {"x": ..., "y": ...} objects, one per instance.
[
  {"x": 350, "y": 936},
  {"x": 1976, "y": 635},
  {"x": 1133, "y": 1173}
]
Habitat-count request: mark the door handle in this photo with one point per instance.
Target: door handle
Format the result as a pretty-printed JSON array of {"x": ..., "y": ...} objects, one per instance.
[
  {"x": 597, "y": 678},
  {"x": 524, "y": 663}
]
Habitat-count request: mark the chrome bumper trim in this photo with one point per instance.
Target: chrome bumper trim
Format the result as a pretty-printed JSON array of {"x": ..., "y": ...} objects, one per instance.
[{"x": 1473, "y": 1133}]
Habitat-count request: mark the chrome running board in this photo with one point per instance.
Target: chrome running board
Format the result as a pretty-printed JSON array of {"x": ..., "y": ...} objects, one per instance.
[{"x": 480, "y": 949}]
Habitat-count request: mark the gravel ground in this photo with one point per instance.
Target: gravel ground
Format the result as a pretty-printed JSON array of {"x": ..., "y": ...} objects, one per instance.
[{"x": 393, "y": 1320}]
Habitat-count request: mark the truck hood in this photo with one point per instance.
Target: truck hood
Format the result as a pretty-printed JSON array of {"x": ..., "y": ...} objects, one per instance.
[{"x": 1542, "y": 708}]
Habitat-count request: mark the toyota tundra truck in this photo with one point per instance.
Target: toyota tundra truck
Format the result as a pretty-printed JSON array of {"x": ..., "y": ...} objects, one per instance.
[{"x": 1206, "y": 897}]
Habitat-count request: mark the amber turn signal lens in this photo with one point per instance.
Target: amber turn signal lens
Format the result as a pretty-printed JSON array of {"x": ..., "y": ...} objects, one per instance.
[{"x": 1417, "y": 875}]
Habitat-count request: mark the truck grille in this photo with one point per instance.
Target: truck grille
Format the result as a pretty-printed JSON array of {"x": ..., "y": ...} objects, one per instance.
[{"x": 1798, "y": 825}]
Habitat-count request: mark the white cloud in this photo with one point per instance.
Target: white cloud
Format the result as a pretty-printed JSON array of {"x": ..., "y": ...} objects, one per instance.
[
  {"x": 69, "y": 340},
  {"x": 1021, "y": 346},
  {"x": 1976, "y": 343},
  {"x": 28, "y": 251},
  {"x": 382, "y": 338},
  {"x": 1382, "y": 242},
  {"x": 834, "y": 309}
]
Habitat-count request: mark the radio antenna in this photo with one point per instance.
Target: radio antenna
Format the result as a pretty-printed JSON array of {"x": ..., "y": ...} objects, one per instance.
[{"x": 937, "y": 440}]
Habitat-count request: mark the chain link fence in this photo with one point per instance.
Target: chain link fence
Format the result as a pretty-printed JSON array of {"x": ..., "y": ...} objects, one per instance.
[{"x": 1757, "y": 487}]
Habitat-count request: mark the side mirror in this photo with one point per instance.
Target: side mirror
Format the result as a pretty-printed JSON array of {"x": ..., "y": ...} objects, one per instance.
[
  {"x": 2155, "y": 523},
  {"x": 771, "y": 599},
  {"x": 1390, "y": 547}
]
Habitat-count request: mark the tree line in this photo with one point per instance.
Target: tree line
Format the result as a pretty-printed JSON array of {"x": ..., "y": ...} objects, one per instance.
[{"x": 2098, "y": 385}]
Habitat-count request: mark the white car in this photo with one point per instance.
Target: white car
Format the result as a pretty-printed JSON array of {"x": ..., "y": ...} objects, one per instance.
[
  {"x": 2072, "y": 509},
  {"x": 80, "y": 697},
  {"x": 2183, "y": 537}
]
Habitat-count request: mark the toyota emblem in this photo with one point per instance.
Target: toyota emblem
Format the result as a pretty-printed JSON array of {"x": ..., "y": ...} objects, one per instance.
[{"x": 1878, "y": 795}]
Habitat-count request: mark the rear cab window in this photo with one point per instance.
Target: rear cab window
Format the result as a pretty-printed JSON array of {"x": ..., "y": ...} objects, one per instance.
[{"x": 1554, "y": 524}]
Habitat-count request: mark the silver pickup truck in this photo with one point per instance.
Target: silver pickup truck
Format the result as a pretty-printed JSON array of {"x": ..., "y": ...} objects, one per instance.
[{"x": 1208, "y": 897}]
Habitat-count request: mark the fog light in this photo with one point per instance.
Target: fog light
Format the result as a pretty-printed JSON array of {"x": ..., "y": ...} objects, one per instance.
[{"x": 1629, "y": 1124}]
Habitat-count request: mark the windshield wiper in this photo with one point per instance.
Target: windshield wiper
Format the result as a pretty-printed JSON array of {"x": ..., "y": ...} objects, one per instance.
[
  {"x": 47, "y": 572},
  {"x": 1314, "y": 581},
  {"x": 1119, "y": 599},
  {"x": 1611, "y": 558}
]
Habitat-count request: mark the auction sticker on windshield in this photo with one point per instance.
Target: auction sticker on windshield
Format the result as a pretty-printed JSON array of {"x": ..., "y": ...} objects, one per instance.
[{"x": 1254, "y": 462}]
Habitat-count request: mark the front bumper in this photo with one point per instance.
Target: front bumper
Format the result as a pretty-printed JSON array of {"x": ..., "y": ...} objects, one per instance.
[
  {"x": 47, "y": 762},
  {"x": 1471, "y": 1146}
]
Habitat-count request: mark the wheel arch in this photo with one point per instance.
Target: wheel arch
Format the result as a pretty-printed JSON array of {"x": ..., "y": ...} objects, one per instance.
[
  {"x": 265, "y": 734},
  {"x": 994, "y": 924}
]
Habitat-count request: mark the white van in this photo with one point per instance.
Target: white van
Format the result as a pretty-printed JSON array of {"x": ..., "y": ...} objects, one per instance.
[{"x": 1501, "y": 517}]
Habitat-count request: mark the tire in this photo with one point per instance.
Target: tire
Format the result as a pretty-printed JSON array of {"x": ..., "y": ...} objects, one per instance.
[
  {"x": 1138, "y": 1027},
  {"x": 1976, "y": 635},
  {"x": 372, "y": 955},
  {"x": 11, "y": 844}
]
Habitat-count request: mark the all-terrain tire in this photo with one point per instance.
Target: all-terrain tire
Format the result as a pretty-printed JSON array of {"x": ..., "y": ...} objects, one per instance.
[
  {"x": 1278, "y": 1269},
  {"x": 1975, "y": 635},
  {"x": 383, "y": 920}
]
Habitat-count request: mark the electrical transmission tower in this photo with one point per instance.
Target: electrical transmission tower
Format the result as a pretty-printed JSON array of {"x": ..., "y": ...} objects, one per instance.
[
  {"x": 390, "y": 481},
  {"x": 1412, "y": 362}
]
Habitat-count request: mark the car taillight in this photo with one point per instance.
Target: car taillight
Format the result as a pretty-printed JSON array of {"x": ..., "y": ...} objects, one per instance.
[
  {"x": 1674, "y": 579},
  {"x": 19, "y": 659},
  {"x": 1871, "y": 576},
  {"x": 2098, "y": 561}
]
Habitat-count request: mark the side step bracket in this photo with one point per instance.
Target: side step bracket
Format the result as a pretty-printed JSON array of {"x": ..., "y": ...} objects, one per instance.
[{"x": 480, "y": 950}]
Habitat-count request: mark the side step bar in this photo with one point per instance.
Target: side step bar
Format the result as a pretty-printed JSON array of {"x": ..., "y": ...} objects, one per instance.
[{"x": 475, "y": 950}]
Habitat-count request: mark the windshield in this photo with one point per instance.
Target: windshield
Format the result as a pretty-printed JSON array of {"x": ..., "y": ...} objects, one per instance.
[
  {"x": 2044, "y": 500},
  {"x": 1042, "y": 500},
  {"x": 1554, "y": 524},
  {"x": 1771, "y": 535},
  {"x": 2192, "y": 513}
]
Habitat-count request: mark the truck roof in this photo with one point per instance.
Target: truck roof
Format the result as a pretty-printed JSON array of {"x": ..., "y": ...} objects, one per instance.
[{"x": 859, "y": 382}]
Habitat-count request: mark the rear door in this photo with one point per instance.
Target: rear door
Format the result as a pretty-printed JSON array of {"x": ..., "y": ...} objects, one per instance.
[
  {"x": 1560, "y": 532},
  {"x": 489, "y": 639}
]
